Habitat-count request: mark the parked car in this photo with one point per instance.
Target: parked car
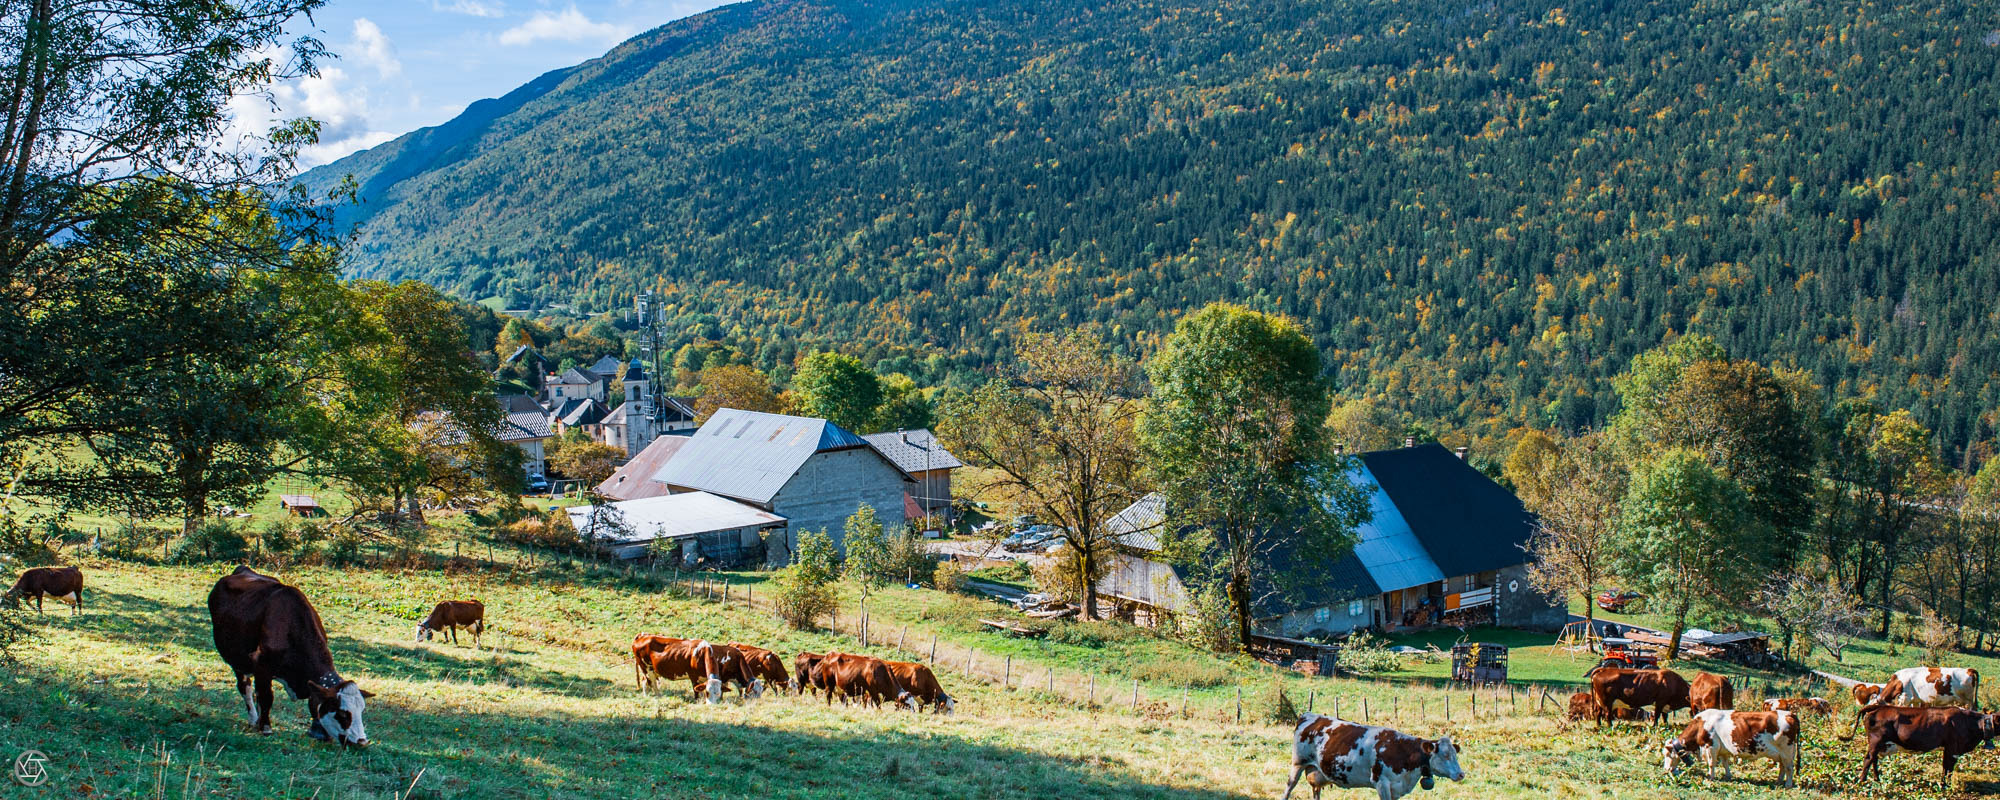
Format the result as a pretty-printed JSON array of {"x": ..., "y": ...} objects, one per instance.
[
  {"x": 1031, "y": 540},
  {"x": 537, "y": 484},
  {"x": 1618, "y": 600}
]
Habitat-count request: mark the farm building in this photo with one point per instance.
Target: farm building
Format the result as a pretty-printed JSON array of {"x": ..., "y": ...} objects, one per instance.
[
  {"x": 918, "y": 453},
  {"x": 699, "y": 527},
  {"x": 1444, "y": 546},
  {"x": 634, "y": 480},
  {"x": 810, "y": 471}
]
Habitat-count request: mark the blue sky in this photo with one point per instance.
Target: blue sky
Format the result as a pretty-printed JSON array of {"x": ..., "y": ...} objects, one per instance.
[{"x": 406, "y": 64}]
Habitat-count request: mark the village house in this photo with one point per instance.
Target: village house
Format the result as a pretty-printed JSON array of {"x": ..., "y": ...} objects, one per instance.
[
  {"x": 694, "y": 528},
  {"x": 582, "y": 414},
  {"x": 811, "y": 472},
  {"x": 918, "y": 453},
  {"x": 528, "y": 430},
  {"x": 573, "y": 384},
  {"x": 1444, "y": 546}
]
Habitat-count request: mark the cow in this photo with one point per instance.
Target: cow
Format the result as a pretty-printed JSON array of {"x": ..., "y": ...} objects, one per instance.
[
  {"x": 1719, "y": 735},
  {"x": 265, "y": 629},
  {"x": 764, "y": 665},
  {"x": 645, "y": 647},
  {"x": 1865, "y": 693},
  {"x": 1582, "y": 706},
  {"x": 61, "y": 583},
  {"x": 1956, "y": 731},
  {"x": 1664, "y": 690},
  {"x": 1710, "y": 691},
  {"x": 860, "y": 677},
  {"x": 803, "y": 665},
  {"x": 1925, "y": 687},
  {"x": 923, "y": 685},
  {"x": 708, "y": 667},
  {"x": 1334, "y": 752},
  {"x": 451, "y": 615},
  {"x": 1817, "y": 705}
]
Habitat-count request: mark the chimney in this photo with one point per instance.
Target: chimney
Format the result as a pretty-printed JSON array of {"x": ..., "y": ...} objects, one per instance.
[
  {"x": 1409, "y": 441},
  {"x": 1462, "y": 450}
]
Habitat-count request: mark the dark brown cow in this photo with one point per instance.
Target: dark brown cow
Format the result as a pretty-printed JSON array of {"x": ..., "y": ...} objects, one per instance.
[
  {"x": 708, "y": 667},
  {"x": 61, "y": 583},
  {"x": 451, "y": 615},
  {"x": 1664, "y": 690},
  {"x": 764, "y": 665},
  {"x": 1710, "y": 691},
  {"x": 1956, "y": 731},
  {"x": 1582, "y": 706},
  {"x": 922, "y": 684},
  {"x": 803, "y": 665},
  {"x": 860, "y": 677},
  {"x": 265, "y": 629}
]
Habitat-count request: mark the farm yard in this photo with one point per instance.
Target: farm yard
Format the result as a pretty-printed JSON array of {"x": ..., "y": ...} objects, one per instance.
[{"x": 130, "y": 700}]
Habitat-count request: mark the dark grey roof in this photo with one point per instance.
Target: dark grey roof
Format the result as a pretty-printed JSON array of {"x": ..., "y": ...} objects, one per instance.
[
  {"x": 914, "y": 450},
  {"x": 1465, "y": 521},
  {"x": 577, "y": 377},
  {"x": 750, "y": 455},
  {"x": 1137, "y": 526},
  {"x": 525, "y": 425},
  {"x": 679, "y": 409},
  {"x": 581, "y": 411},
  {"x": 606, "y": 366},
  {"x": 520, "y": 403},
  {"x": 635, "y": 371}
]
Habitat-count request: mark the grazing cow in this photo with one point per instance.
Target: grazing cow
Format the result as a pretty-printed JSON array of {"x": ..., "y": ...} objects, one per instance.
[
  {"x": 645, "y": 648},
  {"x": 1934, "y": 687},
  {"x": 923, "y": 685},
  {"x": 265, "y": 629},
  {"x": 1664, "y": 690},
  {"x": 864, "y": 677},
  {"x": 1956, "y": 731},
  {"x": 708, "y": 667},
  {"x": 1817, "y": 705},
  {"x": 1865, "y": 693},
  {"x": 1719, "y": 735},
  {"x": 451, "y": 615},
  {"x": 1710, "y": 691},
  {"x": 1333, "y": 752},
  {"x": 61, "y": 583},
  {"x": 764, "y": 665},
  {"x": 803, "y": 665},
  {"x": 1582, "y": 706}
]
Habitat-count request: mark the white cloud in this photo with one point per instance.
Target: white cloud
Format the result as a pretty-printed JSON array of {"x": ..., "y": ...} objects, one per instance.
[
  {"x": 569, "y": 26},
  {"x": 340, "y": 107},
  {"x": 371, "y": 47},
  {"x": 470, "y": 8}
]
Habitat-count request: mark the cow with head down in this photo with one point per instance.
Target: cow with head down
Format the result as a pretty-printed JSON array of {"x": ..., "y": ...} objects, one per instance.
[
  {"x": 1816, "y": 705},
  {"x": 1664, "y": 690},
  {"x": 1346, "y": 755},
  {"x": 1582, "y": 706},
  {"x": 923, "y": 685},
  {"x": 1955, "y": 731},
  {"x": 268, "y": 631},
  {"x": 709, "y": 668},
  {"x": 764, "y": 665},
  {"x": 1717, "y": 736},
  {"x": 862, "y": 678}
]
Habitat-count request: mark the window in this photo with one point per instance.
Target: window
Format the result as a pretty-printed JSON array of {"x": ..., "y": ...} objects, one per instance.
[
  {"x": 1322, "y": 614},
  {"x": 1354, "y": 608}
]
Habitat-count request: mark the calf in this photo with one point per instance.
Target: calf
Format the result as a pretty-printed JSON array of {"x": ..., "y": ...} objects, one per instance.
[
  {"x": 61, "y": 583},
  {"x": 922, "y": 685},
  {"x": 1333, "y": 752},
  {"x": 1710, "y": 691},
  {"x": 264, "y": 630},
  {"x": 1956, "y": 731},
  {"x": 451, "y": 615},
  {"x": 1719, "y": 735},
  {"x": 1582, "y": 706},
  {"x": 764, "y": 665},
  {"x": 1664, "y": 690},
  {"x": 860, "y": 677},
  {"x": 1817, "y": 705}
]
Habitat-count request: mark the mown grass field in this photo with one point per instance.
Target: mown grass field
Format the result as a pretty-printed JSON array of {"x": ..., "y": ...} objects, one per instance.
[{"x": 129, "y": 700}]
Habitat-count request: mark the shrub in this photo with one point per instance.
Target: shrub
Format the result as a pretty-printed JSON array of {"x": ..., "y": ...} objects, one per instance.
[
  {"x": 14, "y": 631},
  {"x": 1193, "y": 671},
  {"x": 948, "y": 577},
  {"x": 24, "y": 544},
  {"x": 805, "y": 589},
  {"x": 214, "y": 540},
  {"x": 134, "y": 542},
  {"x": 1366, "y": 653},
  {"x": 957, "y": 612},
  {"x": 1208, "y": 623},
  {"x": 288, "y": 541},
  {"x": 344, "y": 545},
  {"x": 1094, "y": 633}
]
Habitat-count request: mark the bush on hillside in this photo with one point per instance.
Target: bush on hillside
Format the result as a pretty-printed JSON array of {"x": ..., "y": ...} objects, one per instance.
[
  {"x": 1094, "y": 633},
  {"x": 1193, "y": 670},
  {"x": 1207, "y": 622},
  {"x": 1274, "y": 706},
  {"x": 948, "y": 577},
  {"x": 805, "y": 589},
  {"x": 289, "y": 541},
  {"x": 132, "y": 541},
  {"x": 1368, "y": 654},
  {"x": 213, "y": 540}
]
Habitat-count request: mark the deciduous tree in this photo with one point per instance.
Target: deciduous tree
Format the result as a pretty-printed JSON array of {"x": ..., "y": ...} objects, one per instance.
[
  {"x": 840, "y": 389},
  {"x": 1577, "y": 504},
  {"x": 1685, "y": 538}
]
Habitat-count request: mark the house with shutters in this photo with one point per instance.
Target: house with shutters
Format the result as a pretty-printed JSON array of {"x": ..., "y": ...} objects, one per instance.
[{"x": 1443, "y": 546}]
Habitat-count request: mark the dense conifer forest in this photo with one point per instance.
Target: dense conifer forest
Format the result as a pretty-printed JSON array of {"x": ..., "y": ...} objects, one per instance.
[{"x": 1480, "y": 210}]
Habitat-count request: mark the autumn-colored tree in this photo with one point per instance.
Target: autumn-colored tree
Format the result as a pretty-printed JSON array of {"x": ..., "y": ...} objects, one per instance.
[
  {"x": 1684, "y": 538},
  {"x": 588, "y": 461},
  {"x": 1528, "y": 466},
  {"x": 1891, "y": 471},
  {"x": 734, "y": 386},
  {"x": 1577, "y": 500}
]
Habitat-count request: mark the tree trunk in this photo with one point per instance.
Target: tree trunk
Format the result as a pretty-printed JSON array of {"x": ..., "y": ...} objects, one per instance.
[
  {"x": 416, "y": 512},
  {"x": 1239, "y": 600},
  {"x": 1883, "y": 591},
  {"x": 1086, "y": 565},
  {"x": 1680, "y": 624},
  {"x": 1589, "y": 615}
]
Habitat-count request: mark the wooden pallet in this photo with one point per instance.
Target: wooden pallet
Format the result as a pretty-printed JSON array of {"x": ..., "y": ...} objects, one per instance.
[{"x": 1009, "y": 628}]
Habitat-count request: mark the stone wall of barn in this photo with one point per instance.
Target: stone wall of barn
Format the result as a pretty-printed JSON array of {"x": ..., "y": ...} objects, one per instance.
[
  {"x": 1519, "y": 605},
  {"x": 831, "y": 486},
  {"x": 1322, "y": 621}
]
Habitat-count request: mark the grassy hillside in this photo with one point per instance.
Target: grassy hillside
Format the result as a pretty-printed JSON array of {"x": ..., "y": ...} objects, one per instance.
[
  {"x": 130, "y": 700},
  {"x": 1480, "y": 209}
]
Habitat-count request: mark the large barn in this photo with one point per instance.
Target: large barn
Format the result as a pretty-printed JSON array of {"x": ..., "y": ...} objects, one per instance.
[{"x": 1444, "y": 546}]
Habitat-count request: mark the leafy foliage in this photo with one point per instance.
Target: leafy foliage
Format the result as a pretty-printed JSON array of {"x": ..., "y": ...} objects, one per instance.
[{"x": 805, "y": 588}]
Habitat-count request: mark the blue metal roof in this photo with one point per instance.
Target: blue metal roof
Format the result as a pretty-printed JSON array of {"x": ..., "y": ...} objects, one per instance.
[
  {"x": 750, "y": 455},
  {"x": 1387, "y": 546}
]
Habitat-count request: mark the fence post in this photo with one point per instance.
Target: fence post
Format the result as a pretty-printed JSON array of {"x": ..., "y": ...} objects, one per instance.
[
  {"x": 1135, "y": 694},
  {"x": 1051, "y": 676},
  {"x": 1093, "y": 691},
  {"x": 934, "y": 648},
  {"x": 1239, "y": 703},
  {"x": 1007, "y": 671},
  {"x": 1395, "y": 708},
  {"x": 1447, "y": 706},
  {"x": 1364, "y": 709},
  {"x": 1311, "y": 695},
  {"x": 1474, "y": 695},
  {"x": 1184, "y": 699},
  {"x": 901, "y": 636}
]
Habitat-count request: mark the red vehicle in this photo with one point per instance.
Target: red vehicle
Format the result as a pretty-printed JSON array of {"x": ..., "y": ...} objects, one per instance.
[
  {"x": 1617, "y": 601},
  {"x": 1626, "y": 654}
]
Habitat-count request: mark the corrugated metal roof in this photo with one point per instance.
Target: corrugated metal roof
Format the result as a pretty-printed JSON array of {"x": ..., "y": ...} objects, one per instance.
[
  {"x": 635, "y": 480},
  {"x": 1138, "y": 525},
  {"x": 676, "y": 516},
  {"x": 749, "y": 455},
  {"x": 914, "y": 450},
  {"x": 1387, "y": 547}
]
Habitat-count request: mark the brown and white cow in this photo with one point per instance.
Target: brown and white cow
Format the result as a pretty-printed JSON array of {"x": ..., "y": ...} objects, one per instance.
[
  {"x": 61, "y": 583},
  {"x": 265, "y": 629},
  {"x": 1664, "y": 690},
  {"x": 1582, "y": 706},
  {"x": 1956, "y": 731},
  {"x": 1346, "y": 755},
  {"x": 451, "y": 615},
  {"x": 1710, "y": 691},
  {"x": 1865, "y": 693},
  {"x": 864, "y": 678},
  {"x": 764, "y": 665},
  {"x": 645, "y": 648},
  {"x": 1933, "y": 687},
  {"x": 1719, "y": 735},
  {"x": 1816, "y": 705},
  {"x": 922, "y": 685},
  {"x": 708, "y": 667}
]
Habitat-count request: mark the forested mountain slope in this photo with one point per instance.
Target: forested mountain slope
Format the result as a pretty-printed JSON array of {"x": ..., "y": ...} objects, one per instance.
[{"x": 1482, "y": 209}]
